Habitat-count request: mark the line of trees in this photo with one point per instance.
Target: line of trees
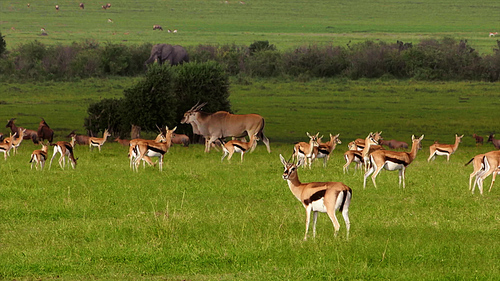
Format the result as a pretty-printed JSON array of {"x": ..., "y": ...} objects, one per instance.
[{"x": 431, "y": 59}]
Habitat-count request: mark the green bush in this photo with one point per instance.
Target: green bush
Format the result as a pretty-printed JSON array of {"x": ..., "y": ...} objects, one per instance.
[
  {"x": 3, "y": 45},
  {"x": 106, "y": 114},
  {"x": 264, "y": 64}
]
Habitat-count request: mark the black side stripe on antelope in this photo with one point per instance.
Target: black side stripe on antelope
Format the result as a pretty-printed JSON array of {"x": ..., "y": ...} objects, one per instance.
[
  {"x": 397, "y": 161},
  {"x": 315, "y": 197},
  {"x": 442, "y": 150},
  {"x": 324, "y": 151},
  {"x": 69, "y": 147},
  {"x": 157, "y": 150},
  {"x": 238, "y": 146}
]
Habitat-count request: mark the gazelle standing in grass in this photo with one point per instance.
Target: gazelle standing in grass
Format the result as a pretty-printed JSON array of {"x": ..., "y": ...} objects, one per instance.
[
  {"x": 93, "y": 141},
  {"x": 65, "y": 149},
  {"x": 324, "y": 150},
  {"x": 444, "y": 149},
  {"x": 305, "y": 150},
  {"x": 132, "y": 154},
  {"x": 324, "y": 197},
  {"x": 371, "y": 144},
  {"x": 478, "y": 165},
  {"x": 391, "y": 161},
  {"x": 149, "y": 149},
  {"x": 491, "y": 162},
  {"x": 232, "y": 146},
  {"x": 39, "y": 156},
  {"x": 17, "y": 138},
  {"x": 352, "y": 155},
  {"x": 6, "y": 146}
]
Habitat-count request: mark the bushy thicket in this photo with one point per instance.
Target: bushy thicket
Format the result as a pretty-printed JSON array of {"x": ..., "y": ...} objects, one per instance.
[
  {"x": 161, "y": 98},
  {"x": 432, "y": 59}
]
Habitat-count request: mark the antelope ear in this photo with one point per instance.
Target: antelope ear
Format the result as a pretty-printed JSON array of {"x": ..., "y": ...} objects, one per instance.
[
  {"x": 421, "y": 137},
  {"x": 308, "y": 134},
  {"x": 174, "y": 128},
  {"x": 283, "y": 161}
]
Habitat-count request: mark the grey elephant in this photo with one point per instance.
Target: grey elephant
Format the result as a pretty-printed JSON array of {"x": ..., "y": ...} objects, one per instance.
[{"x": 167, "y": 53}]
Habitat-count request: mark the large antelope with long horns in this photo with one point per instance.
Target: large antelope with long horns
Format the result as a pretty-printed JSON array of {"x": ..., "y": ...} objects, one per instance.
[
  {"x": 222, "y": 124},
  {"x": 143, "y": 149},
  {"x": 444, "y": 149},
  {"x": 93, "y": 141},
  {"x": 39, "y": 156},
  {"x": 324, "y": 150},
  {"x": 66, "y": 150},
  {"x": 391, "y": 161},
  {"x": 305, "y": 150},
  {"x": 324, "y": 197}
]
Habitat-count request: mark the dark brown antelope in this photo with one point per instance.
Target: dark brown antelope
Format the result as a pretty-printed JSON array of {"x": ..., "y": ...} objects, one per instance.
[
  {"x": 479, "y": 139},
  {"x": 444, "y": 149},
  {"x": 45, "y": 132},
  {"x": 391, "y": 161},
  {"x": 156, "y": 26},
  {"x": 28, "y": 134},
  {"x": 324, "y": 197},
  {"x": 180, "y": 139},
  {"x": 79, "y": 139},
  {"x": 394, "y": 144},
  {"x": 495, "y": 142},
  {"x": 222, "y": 124}
]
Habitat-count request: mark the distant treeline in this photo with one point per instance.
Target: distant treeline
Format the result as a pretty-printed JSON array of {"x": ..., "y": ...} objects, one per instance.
[{"x": 431, "y": 59}]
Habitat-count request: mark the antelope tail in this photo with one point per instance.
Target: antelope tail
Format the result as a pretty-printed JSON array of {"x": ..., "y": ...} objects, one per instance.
[{"x": 468, "y": 162}]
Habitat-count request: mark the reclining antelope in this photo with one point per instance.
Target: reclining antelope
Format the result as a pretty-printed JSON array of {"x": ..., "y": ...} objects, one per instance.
[
  {"x": 391, "y": 161},
  {"x": 39, "y": 156},
  {"x": 324, "y": 150},
  {"x": 232, "y": 146},
  {"x": 325, "y": 197},
  {"x": 444, "y": 149},
  {"x": 222, "y": 124},
  {"x": 66, "y": 150},
  {"x": 93, "y": 141},
  {"x": 304, "y": 150},
  {"x": 149, "y": 149}
]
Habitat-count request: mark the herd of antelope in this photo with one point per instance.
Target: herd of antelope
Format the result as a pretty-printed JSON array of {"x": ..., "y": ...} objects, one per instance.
[{"x": 368, "y": 154}]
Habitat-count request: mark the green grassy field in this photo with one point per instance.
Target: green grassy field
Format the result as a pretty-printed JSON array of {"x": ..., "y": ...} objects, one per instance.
[
  {"x": 204, "y": 220},
  {"x": 286, "y": 24}
]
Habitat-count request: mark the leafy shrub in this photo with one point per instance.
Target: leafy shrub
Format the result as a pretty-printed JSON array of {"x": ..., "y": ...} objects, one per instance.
[
  {"x": 327, "y": 61},
  {"x": 3, "y": 45},
  {"x": 264, "y": 64},
  {"x": 106, "y": 114},
  {"x": 115, "y": 59},
  {"x": 259, "y": 46},
  {"x": 87, "y": 63},
  {"x": 28, "y": 59}
]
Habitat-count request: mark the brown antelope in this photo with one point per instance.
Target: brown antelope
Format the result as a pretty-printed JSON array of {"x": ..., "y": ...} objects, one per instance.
[
  {"x": 394, "y": 144},
  {"x": 104, "y": 7},
  {"x": 493, "y": 34},
  {"x": 156, "y": 26},
  {"x": 65, "y": 149},
  {"x": 82, "y": 6},
  {"x": 478, "y": 165},
  {"x": 45, "y": 132},
  {"x": 324, "y": 197},
  {"x": 479, "y": 139},
  {"x": 28, "y": 134},
  {"x": 6, "y": 146},
  {"x": 495, "y": 142},
  {"x": 39, "y": 156},
  {"x": 444, "y": 149},
  {"x": 123, "y": 142},
  {"x": 108, "y": 5},
  {"x": 180, "y": 139},
  {"x": 392, "y": 160},
  {"x": 491, "y": 162},
  {"x": 360, "y": 143},
  {"x": 305, "y": 150},
  {"x": 223, "y": 124},
  {"x": 79, "y": 139},
  {"x": 132, "y": 155},
  {"x": 93, "y": 141},
  {"x": 149, "y": 149},
  {"x": 324, "y": 150},
  {"x": 352, "y": 156},
  {"x": 371, "y": 144},
  {"x": 16, "y": 139},
  {"x": 232, "y": 146}
]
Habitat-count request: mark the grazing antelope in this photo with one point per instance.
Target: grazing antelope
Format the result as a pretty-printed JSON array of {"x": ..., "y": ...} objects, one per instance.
[
  {"x": 444, "y": 149},
  {"x": 28, "y": 134},
  {"x": 28, "y": 5},
  {"x": 154, "y": 149},
  {"x": 156, "y": 26},
  {"x": 491, "y": 162},
  {"x": 174, "y": 31},
  {"x": 232, "y": 146},
  {"x": 478, "y": 165},
  {"x": 45, "y": 132},
  {"x": 65, "y": 149},
  {"x": 394, "y": 144},
  {"x": 123, "y": 142},
  {"x": 493, "y": 34},
  {"x": 82, "y": 6},
  {"x": 352, "y": 156},
  {"x": 325, "y": 197},
  {"x": 93, "y": 141},
  {"x": 110, "y": 20},
  {"x": 392, "y": 160},
  {"x": 479, "y": 139},
  {"x": 495, "y": 142},
  {"x": 223, "y": 124},
  {"x": 6, "y": 146},
  {"x": 324, "y": 150},
  {"x": 57, "y": 7},
  {"x": 39, "y": 156},
  {"x": 305, "y": 150}
]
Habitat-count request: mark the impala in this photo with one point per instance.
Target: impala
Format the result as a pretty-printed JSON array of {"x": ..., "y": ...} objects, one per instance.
[
  {"x": 93, "y": 141},
  {"x": 232, "y": 146},
  {"x": 6, "y": 146},
  {"x": 153, "y": 149},
  {"x": 491, "y": 162},
  {"x": 65, "y": 149},
  {"x": 325, "y": 197},
  {"x": 324, "y": 150},
  {"x": 305, "y": 150},
  {"x": 392, "y": 160},
  {"x": 444, "y": 149},
  {"x": 39, "y": 156}
]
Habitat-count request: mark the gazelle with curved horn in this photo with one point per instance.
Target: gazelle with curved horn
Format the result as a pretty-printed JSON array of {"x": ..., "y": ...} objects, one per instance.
[
  {"x": 149, "y": 149},
  {"x": 324, "y": 197},
  {"x": 93, "y": 141},
  {"x": 39, "y": 156},
  {"x": 17, "y": 138},
  {"x": 223, "y": 124},
  {"x": 65, "y": 149},
  {"x": 232, "y": 146},
  {"x": 6, "y": 146},
  {"x": 371, "y": 144},
  {"x": 444, "y": 149},
  {"x": 391, "y": 161},
  {"x": 304, "y": 150},
  {"x": 360, "y": 143},
  {"x": 324, "y": 150}
]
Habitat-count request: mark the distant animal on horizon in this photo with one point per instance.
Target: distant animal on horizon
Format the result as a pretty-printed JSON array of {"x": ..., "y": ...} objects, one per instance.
[
  {"x": 479, "y": 139},
  {"x": 157, "y": 27},
  {"x": 57, "y": 7},
  {"x": 82, "y": 6}
]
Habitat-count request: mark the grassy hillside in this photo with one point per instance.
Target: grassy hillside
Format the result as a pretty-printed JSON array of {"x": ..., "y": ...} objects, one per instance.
[{"x": 284, "y": 23}]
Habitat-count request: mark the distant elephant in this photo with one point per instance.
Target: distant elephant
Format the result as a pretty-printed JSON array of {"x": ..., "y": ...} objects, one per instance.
[{"x": 166, "y": 52}]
